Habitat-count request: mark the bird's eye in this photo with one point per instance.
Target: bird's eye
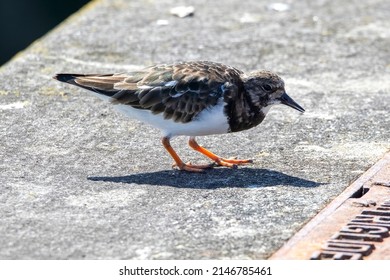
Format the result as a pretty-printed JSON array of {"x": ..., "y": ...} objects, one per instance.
[{"x": 267, "y": 87}]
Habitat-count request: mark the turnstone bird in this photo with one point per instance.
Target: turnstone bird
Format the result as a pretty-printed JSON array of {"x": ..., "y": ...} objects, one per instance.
[{"x": 192, "y": 99}]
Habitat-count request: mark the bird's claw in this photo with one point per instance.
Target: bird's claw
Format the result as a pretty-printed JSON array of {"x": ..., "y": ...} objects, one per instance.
[{"x": 192, "y": 168}]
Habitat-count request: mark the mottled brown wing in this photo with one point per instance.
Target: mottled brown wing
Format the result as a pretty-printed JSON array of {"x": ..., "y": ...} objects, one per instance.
[{"x": 178, "y": 91}]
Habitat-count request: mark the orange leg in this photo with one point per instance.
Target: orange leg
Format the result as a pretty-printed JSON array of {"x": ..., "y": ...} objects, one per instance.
[
  {"x": 179, "y": 163},
  {"x": 220, "y": 161}
]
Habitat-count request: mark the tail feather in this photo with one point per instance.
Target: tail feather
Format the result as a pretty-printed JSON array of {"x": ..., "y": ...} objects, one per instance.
[
  {"x": 71, "y": 78},
  {"x": 67, "y": 78},
  {"x": 103, "y": 84}
]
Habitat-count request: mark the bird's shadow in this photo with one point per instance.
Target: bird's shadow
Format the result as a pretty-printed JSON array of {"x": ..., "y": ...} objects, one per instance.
[{"x": 213, "y": 179}]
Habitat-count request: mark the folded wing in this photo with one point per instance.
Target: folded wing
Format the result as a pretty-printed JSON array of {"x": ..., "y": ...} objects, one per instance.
[{"x": 179, "y": 91}]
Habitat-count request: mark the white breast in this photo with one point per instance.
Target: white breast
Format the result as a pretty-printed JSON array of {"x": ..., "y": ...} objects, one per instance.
[
  {"x": 209, "y": 121},
  {"x": 265, "y": 110}
]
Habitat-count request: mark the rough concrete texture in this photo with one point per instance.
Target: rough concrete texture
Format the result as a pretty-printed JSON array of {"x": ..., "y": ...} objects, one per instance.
[{"x": 80, "y": 181}]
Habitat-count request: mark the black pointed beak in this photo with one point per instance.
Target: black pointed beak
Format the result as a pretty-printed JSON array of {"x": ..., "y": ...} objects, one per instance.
[{"x": 287, "y": 100}]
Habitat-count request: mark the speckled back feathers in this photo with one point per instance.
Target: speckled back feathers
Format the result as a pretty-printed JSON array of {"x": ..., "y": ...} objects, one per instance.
[{"x": 181, "y": 91}]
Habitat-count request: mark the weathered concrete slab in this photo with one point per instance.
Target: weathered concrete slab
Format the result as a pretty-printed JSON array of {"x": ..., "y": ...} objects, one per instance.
[{"x": 80, "y": 181}]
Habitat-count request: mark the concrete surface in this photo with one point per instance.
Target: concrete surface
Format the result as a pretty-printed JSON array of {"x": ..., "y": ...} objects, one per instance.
[{"x": 80, "y": 181}]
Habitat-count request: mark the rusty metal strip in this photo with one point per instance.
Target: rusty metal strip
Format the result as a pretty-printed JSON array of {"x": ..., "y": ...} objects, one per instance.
[{"x": 350, "y": 227}]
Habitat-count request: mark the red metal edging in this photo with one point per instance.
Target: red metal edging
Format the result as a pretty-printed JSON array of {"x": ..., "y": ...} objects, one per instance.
[{"x": 355, "y": 225}]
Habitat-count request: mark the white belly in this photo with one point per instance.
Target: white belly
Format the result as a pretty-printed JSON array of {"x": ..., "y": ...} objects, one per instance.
[{"x": 209, "y": 121}]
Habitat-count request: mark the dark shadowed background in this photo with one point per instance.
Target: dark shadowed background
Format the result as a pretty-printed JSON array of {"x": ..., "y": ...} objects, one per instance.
[{"x": 23, "y": 21}]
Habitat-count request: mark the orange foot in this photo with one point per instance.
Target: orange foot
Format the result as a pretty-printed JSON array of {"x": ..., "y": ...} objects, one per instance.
[
  {"x": 192, "y": 168},
  {"x": 231, "y": 162},
  {"x": 228, "y": 162}
]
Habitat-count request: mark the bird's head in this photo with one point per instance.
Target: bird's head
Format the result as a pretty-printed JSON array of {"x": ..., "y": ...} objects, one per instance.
[{"x": 265, "y": 89}]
